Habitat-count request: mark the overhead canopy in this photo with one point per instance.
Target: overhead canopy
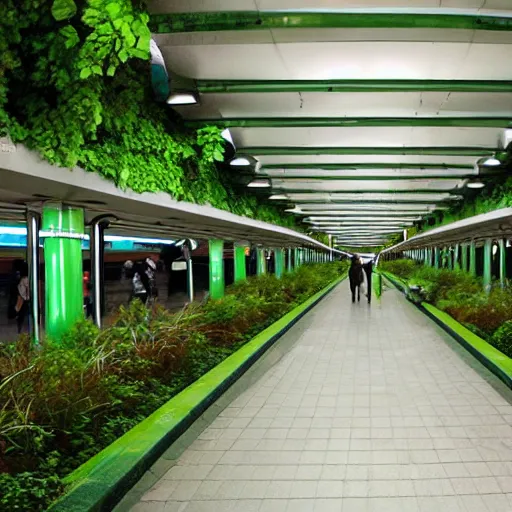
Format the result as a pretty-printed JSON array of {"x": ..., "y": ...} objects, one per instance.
[
  {"x": 28, "y": 180},
  {"x": 496, "y": 224},
  {"x": 361, "y": 105}
]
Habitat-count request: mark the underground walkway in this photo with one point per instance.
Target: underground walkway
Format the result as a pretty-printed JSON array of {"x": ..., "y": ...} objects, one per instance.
[{"x": 356, "y": 409}]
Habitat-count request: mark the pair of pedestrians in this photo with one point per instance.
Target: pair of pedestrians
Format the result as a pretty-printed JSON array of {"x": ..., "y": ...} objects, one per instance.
[{"x": 356, "y": 276}]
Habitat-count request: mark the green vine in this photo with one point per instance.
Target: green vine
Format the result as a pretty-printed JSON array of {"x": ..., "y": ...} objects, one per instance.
[
  {"x": 494, "y": 197},
  {"x": 75, "y": 85}
]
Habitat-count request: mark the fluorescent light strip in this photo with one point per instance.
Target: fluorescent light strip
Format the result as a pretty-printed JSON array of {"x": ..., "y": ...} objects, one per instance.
[{"x": 8, "y": 230}]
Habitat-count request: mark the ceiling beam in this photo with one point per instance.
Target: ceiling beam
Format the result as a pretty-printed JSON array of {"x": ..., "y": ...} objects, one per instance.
[
  {"x": 354, "y": 122},
  {"x": 319, "y": 151},
  {"x": 264, "y": 86},
  {"x": 173, "y": 23}
]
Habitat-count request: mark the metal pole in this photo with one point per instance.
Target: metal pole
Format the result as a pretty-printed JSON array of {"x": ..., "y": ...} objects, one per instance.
[
  {"x": 33, "y": 224},
  {"x": 190, "y": 280}
]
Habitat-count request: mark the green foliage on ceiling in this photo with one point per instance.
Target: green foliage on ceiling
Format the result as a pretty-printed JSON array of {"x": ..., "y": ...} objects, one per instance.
[
  {"x": 75, "y": 85},
  {"x": 495, "y": 196}
]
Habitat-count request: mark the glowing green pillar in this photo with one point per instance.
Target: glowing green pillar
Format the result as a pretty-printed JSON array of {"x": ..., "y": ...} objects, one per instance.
[
  {"x": 261, "y": 262},
  {"x": 472, "y": 258},
  {"x": 63, "y": 231},
  {"x": 437, "y": 257},
  {"x": 464, "y": 257},
  {"x": 279, "y": 262},
  {"x": 240, "y": 270},
  {"x": 216, "y": 269},
  {"x": 487, "y": 265},
  {"x": 503, "y": 264},
  {"x": 289, "y": 254},
  {"x": 456, "y": 264}
]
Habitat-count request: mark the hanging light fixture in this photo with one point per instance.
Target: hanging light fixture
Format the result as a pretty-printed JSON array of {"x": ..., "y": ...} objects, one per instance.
[
  {"x": 260, "y": 183},
  {"x": 475, "y": 183},
  {"x": 489, "y": 162},
  {"x": 178, "y": 98}
]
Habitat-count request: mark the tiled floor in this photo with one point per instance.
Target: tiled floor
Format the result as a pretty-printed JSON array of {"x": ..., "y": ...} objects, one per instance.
[{"x": 357, "y": 408}]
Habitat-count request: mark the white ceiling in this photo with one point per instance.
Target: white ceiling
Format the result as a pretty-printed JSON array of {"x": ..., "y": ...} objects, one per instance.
[{"x": 351, "y": 54}]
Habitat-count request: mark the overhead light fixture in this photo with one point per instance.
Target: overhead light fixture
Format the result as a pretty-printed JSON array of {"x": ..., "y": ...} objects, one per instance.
[
  {"x": 178, "y": 98},
  {"x": 226, "y": 135},
  {"x": 240, "y": 161},
  {"x": 260, "y": 183},
  {"x": 489, "y": 162},
  {"x": 475, "y": 184},
  {"x": 280, "y": 197}
]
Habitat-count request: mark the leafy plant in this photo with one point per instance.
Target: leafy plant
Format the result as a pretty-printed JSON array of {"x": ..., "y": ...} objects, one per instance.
[{"x": 63, "y": 403}]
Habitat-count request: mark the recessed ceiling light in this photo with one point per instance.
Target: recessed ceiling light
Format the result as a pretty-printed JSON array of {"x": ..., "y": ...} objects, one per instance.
[{"x": 280, "y": 197}]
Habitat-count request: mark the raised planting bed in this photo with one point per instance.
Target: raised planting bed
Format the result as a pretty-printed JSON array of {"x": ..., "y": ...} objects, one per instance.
[
  {"x": 101, "y": 482},
  {"x": 497, "y": 362}
]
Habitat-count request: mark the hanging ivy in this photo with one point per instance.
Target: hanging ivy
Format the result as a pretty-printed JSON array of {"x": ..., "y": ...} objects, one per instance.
[{"x": 75, "y": 86}]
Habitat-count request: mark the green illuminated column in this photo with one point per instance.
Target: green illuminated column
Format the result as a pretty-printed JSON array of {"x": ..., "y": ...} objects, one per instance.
[
  {"x": 63, "y": 230},
  {"x": 436, "y": 257},
  {"x": 456, "y": 264},
  {"x": 261, "y": 263},
  {"x": 240, "y": 271},
  {"x": 289, "y": 253},
  {"x": 472, "y": 258},
  {"x": 503, "y": 265},
  {"x": 216, "y": 269},
  {"x": 464, "y": 257},
  {"x": 279, "y": 262},
  {"x": 487, "y": 265},
  {"x": 449, "y": 257}
]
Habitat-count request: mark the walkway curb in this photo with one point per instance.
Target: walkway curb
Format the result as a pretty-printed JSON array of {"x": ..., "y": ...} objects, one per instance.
[
  {"x": 100, "y": 483},
  {"x": 494, "y": 360}
]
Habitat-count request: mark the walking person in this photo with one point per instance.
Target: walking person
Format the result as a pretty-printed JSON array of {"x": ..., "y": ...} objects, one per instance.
[
  {"x": 140, "y": 283},
  {"x": 22, "y": 303},
  {"x": 368, "y": 270},
  {"x": 356, "y": 277}
]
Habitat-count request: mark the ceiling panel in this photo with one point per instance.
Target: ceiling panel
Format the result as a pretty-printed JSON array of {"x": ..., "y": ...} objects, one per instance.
[
  {"x": 367, "y": 136},
  {"x": 366, "y": 159},
  {"x": 361, "y": 186},
  {"x": 339, "y": 60},
  {"x": 473, "y": 6},
  {"x": 276, "y": 174},
  {"x": 362, "y": 104}
]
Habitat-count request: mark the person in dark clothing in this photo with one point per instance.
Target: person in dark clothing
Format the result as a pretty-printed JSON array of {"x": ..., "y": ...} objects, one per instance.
[
  {"x": 23, "y": 300},
  {"x": 140, "y": 283},
  {"x": 368, "y": 270},
  {"x": 356, "y": 277}
]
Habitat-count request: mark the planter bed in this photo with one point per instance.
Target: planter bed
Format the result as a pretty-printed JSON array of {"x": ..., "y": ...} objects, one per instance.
[
  {"x": 497, "y": 362},
  {"x": 103, "y": 478}
]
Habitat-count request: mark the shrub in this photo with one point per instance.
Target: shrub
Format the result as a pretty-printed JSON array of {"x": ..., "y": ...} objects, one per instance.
[
  {"x": 502, "y": 338},
  {"x": 63, "y": 403}
]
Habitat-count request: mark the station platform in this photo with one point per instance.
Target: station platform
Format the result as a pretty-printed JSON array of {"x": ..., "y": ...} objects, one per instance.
[{"x": 357, "y": 408}]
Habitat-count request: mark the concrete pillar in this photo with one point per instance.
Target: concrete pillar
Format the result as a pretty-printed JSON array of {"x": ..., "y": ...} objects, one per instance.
[
  {"x": 217, "y": 283},
  {"x": 63, "y": 231}
]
